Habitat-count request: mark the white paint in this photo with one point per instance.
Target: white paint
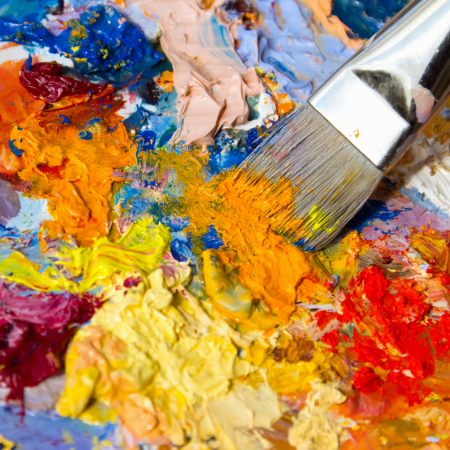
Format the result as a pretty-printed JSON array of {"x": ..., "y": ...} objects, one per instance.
[
  {"x": 13, "y": 53},
  {"x": 132, "y": 101},
  {"x": 426, "y": 167},
  {"x": 32, "y": 214},
  {"x": 267, "y": 109}
]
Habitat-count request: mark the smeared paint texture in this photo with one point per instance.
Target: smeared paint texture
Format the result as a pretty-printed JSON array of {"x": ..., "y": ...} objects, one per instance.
[
  {"x": 139, "y": 248},
  {"x": 44, "y": 81},
  {"x": 365, "y": 19},
  {"x": 202, "y": 327},
  {"x": 102, "y": 43},
  {"x": 16, "y": 105},
  {"x": 75, "y": 179},
  {"x": 35, "y": 329},
  {"x": 213, "y": 85}
]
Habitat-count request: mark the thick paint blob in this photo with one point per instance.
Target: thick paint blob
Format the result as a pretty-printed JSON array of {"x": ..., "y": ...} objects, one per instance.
[
  {"x": 201, "y": 327},
  {"x": 16, "y": 105},
  {"x": 44, "y": 81},
  {"x": 74, "y": 174},
  {"x": 35, "y": 329}
]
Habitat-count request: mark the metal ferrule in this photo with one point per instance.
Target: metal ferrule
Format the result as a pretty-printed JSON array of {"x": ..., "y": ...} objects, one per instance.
[{"x": 382, "y": 97}]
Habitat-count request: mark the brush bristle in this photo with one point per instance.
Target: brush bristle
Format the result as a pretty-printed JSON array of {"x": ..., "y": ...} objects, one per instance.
[{"x": 327, "y": 178}]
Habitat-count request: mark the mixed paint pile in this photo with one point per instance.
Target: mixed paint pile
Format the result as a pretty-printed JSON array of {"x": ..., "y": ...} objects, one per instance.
[{"x": 144, "y": 302}]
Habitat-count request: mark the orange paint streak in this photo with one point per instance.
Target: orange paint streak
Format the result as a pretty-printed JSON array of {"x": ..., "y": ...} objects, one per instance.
[
  {"x": 75, "y": 175},
  {"x": 15, "y": 105},
  {"x": 254, "y": 261}
]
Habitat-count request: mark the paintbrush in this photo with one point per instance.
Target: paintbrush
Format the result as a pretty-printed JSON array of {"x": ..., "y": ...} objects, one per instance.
[{"x": 319, "y": 166}]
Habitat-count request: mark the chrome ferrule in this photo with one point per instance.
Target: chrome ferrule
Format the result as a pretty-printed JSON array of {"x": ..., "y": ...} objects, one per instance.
[{"x": 383, "y": 96}]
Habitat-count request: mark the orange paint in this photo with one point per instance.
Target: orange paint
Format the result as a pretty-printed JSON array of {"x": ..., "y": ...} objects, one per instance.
[
  {"x": 165, "y": 81},
  {"x": 284, "y": 103},
  {"x": 75, "y": 175},
  {"x": 255, "y": 262},
  {"x": 15, "y": 105}
]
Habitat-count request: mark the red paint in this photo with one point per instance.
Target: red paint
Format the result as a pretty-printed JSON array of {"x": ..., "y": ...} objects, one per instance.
[
  {"x": 35, "y": 330},
  {"x": 391, "y": 331},
  {"x": 367, "y": 381},
  {"x": 53, "y": 171},
  {"x": 44, "y": 81}
]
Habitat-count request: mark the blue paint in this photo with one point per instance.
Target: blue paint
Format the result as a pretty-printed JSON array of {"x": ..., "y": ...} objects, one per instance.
[
  {"x": 167, "y": 135},
  {"x": 445, "y": 113},
  {"x": 146, "y": 142},
  {"x": 44, "y": 430},
  {"x": 27, "y": 33},
  {"x": 17, "y": 151},
  {"x": 420, "y": 199},
  {"x": 211, "y": 240},
  {"x": 366, "y": 18},
  {"x": 28, "y": 10},
  {"x": 216, "y": 38},
  {"x": 64, "y": 119},
  {"x": 86, "y": 135},
  {"x": 372, "y": 209},
  {"x": 114, "y": 48},
  {"x": 230, "y": 151},
  {"x": 254, "y": 137}
]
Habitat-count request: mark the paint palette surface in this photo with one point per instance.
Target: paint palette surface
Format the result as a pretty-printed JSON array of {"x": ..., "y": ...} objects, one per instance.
[{"x": 144, "y": 303}]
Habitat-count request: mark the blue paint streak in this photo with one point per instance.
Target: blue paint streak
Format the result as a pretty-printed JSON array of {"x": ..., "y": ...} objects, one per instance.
[
  {"x": 211, "y": 240},
  {"x": 215, "y": 37},
  {"x": 167, "y": 135},
  {"x": 365, "y": 18},
  {"x": 44, "y": 430},
  {"x": 373, "y": 209},
  {"x": 17, "y": 151},
  {"x": 419, "y": 198}
]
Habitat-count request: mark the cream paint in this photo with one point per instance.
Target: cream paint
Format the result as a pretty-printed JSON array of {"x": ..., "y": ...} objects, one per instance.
[
  {"x": 314, "y": 428},
  {"x": 210, "y": 79}
]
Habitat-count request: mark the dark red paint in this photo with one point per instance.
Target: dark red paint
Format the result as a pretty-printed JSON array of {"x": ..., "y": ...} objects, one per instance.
[
  {"x": 35, "y": 330},
  {"x": 44, "y": 82}
]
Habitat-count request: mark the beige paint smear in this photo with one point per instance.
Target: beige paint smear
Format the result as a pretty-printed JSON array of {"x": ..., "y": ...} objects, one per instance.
[{"x": 209, "y": 77}]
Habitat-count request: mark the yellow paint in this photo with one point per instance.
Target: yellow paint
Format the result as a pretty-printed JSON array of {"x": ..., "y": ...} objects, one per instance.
[
  {"x": 165, "y": 81},
  {"x": 7, "y": 444},
  {"x": 154, "y": 357},
  {"x": 342, "y": 259},
  {"x": 139, "y": 249},
  {"x": 314, "y": 428},
  {"x": 431, "y": 247}
]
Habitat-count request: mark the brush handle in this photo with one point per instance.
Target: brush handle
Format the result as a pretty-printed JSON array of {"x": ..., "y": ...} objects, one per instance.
[{"x": 384, "y": 95}]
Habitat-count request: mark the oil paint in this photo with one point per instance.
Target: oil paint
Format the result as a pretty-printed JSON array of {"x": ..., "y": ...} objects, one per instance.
[{"x": 144, "y": 302}]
